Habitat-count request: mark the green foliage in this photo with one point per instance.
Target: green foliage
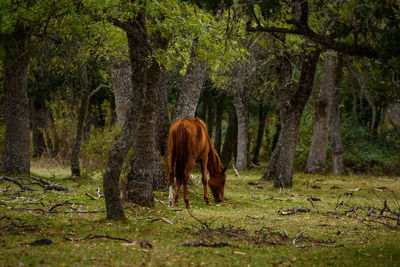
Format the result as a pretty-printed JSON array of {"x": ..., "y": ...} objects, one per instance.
[
  {"x": 94, "y": 150},
  {"x": 362, "y": 155},
  {"x": 305, "y": 138}
]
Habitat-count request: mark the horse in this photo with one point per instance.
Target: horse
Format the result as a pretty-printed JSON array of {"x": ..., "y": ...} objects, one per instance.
[{"x": 188, "y": 143}]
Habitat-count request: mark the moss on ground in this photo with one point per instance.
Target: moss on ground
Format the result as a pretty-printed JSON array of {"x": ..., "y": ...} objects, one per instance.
[{"x": 248, "y": 221}]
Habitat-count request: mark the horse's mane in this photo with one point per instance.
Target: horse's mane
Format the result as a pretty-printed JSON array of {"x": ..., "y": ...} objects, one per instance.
[{"x": 213, "y": 159}]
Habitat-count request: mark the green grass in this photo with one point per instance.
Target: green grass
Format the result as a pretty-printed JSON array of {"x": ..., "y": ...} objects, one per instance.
[{"x": 236, "y": 221}]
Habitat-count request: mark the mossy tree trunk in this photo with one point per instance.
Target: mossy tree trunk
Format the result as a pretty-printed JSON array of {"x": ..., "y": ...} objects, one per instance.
[
  {"x": 292, "y": 100},
  {"x": 262, "y": 120},
  {"x": 121, "y": 73},
  {"x": 84, "y": 105},
  {"x": 191, "y": 87},
  {"x": 229, "y": 146},
  {"x": 218, "y": 122},
  {"x": 16, "y": 155},
  {"x": 316, "y": 162},
  {"x": 39, "y": 125},
  {"x": 335, "y": 121}
]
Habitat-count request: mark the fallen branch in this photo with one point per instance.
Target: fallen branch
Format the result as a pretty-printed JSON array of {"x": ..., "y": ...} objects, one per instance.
[
  {"x": 312, "y": 199},
  {"x": 49, "y": 185},
  {"x": 14, "y": 181},
  {"x": 236, "y": 171},
  {"x": 52, "y": 211},
  {"x": 293, "y": 211},
  {"x": 143, "y": 244},
  {"x": 203, "y": 243},
  {"x": 91, "y": 197},
  {"x": 205, "y": 224},
  {"x": 15, "y": 222},
  {"x": 297, "y": 237},
  {"x": 58, "y": 205},
  {"x": 162, "y": 219}
]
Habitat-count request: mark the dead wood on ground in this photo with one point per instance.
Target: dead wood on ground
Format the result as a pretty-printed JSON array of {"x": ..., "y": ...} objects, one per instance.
[{"x": 143, "y": 244}]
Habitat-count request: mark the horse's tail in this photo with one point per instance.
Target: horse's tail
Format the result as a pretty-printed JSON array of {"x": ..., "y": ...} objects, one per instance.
[{"x": 181, "y": 152}]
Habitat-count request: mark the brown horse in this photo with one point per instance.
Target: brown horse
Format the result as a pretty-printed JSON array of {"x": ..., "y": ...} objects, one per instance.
[{"x": 189, "y": 143}]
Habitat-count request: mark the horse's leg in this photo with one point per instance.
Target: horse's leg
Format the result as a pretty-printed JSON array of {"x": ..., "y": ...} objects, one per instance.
[
  {"x": 178, "y": 187},
  {"x": 189, "y": 167},
  {"x": 171, "y": 175},
  {"x": 204, "y": 178}
]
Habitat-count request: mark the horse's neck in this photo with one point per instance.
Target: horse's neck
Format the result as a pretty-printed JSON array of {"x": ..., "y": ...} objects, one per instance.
[{"x": 213, "y": 163}]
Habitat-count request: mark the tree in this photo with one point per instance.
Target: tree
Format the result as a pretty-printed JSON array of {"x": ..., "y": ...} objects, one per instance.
[
  {"x": 191, "y": 87},
  {"x": 335, "y": 125},
  {"x": 121, "y": 73},
  {"x": 292, "y": 100},
  {"x": 218, "y": 121},
  {"x": 262, "y": 119},
  {"x": 16, "y": 155},
  {"x": 316, "y": 162},
  {"x": 20, "y": 22},
  {"x": 230, "y": 141}
]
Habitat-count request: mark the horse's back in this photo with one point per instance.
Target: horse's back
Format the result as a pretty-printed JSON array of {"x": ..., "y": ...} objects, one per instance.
[{"x": 196, "y": 133}]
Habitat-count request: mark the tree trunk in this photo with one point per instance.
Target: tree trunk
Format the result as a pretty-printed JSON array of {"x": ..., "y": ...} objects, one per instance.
[
  {"x": 262, "y": 119},
  {"x": 76, "y": 147},
  {"x": 277, "y": 133},
  {"x": 210, "y": 117},
  {"x": 162, "y": 118},
  {"x": 39, "y": 126},
  {"x": 16, "y": 156},
  {"x": 218, "y": 122},
  {"x": 146, "y": 168},
  {"x": 139, "y": 184},
  {"x": 203, "y": 110},
  {"x": 241, "y": 99},
  {"x": 191, "y": 88},
  {"x": 316, "y": 162},
  {"x": 335, "y": 125},
  {"x": 292, "y": 103},
  {"x": 121, "y": 73},
  {"x": 229, "y": 147},
  {"x": 373, "y": 115},
  {"x": 138, "y": 54}
]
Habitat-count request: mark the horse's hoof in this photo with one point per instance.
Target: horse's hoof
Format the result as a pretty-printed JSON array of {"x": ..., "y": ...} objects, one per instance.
[
  {"x": 209, "y": 203},
  {"x": 188, "y": 206}
]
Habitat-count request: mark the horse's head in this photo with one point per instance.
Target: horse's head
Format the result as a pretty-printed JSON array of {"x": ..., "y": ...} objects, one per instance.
[{"x": 217, "y": 184}]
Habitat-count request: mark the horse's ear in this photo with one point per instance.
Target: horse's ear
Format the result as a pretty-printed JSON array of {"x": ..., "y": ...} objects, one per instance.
[{"x": 223, "y": 170}]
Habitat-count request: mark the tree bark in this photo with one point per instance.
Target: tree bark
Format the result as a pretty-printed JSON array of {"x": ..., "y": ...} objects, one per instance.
[
  {"x": 335, "y": 125},
  {"x": 139, "y": 184},
  {"x": 16, "y": 156},
  {"x": 162, "y": 118},
  {"x": 76, "y": 147},
  {"x": 277, "y": 133},
  {"x": 191, "y": 88},
  {"x": 218, "y": 122},
  {"x": 241, "y": 100},
  {"x": 316, "y": 162},
  {"x": 202, "y": 113},
  {"x": 292, "y": 103},
  {"x": 210, "y": 117},
  {"x": 39, "y": 126},
  {"x": 262, "y": 119},
  {"x": 121, "y": 73},
  {"x": 373, "y": 115},
  {"x": 229, "y": 147},
  {"x": 138, "y": 54},
  {"x": 146, "y": 169}
]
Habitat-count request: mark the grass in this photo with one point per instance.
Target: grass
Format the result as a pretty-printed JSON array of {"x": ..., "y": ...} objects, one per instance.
[{"x": 248, "y": 221}]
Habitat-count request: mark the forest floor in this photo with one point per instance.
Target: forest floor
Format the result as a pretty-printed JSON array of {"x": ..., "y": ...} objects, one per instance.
[{"x": 349, "y": 220}]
